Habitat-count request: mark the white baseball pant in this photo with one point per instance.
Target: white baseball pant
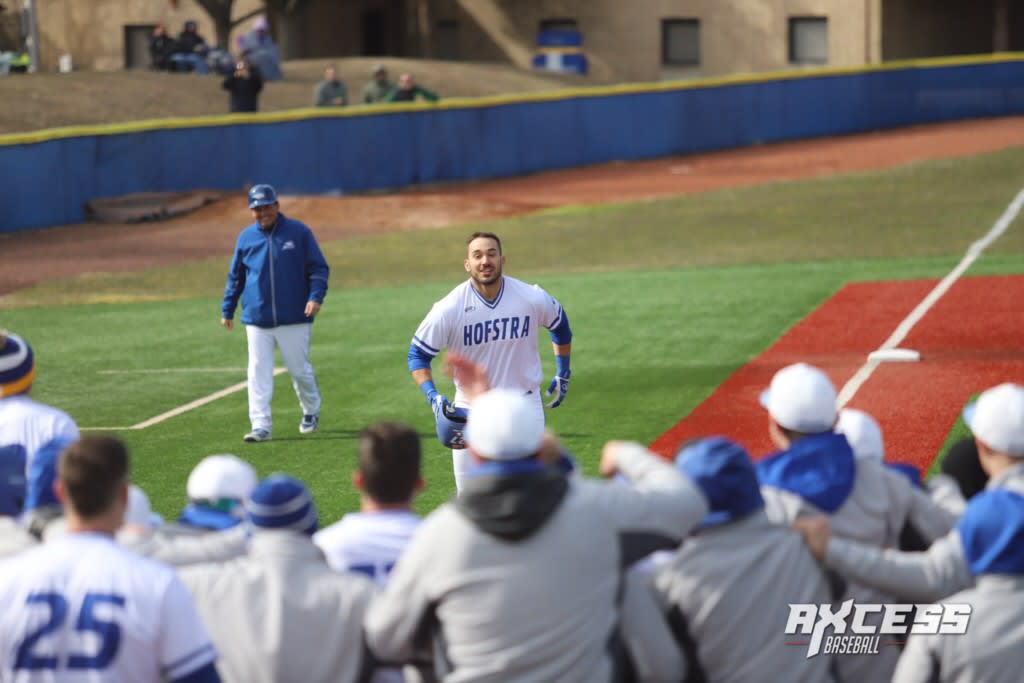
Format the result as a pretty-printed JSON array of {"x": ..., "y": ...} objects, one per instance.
[
  {"x": 461, "y": 459},
  {"x": 293, "y": 341}
]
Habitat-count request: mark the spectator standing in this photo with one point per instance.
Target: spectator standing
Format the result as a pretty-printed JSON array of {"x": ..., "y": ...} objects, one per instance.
[
  {"x": 378, "y": 89},
  {"x": 330, "y": 92},
  {"x": 544, "y": 552},
  {"x": 161, "y": 47},
  {"x": 371, "y": 541},
  {"x": 280, "y": 613},
  {"x": 409, "y": 91},
  {"x": 25, "y": 424},
  {"x": 244, "y": 86},
  {"x": 80, "y": 606},
  {"x": 281, "y": 276}
]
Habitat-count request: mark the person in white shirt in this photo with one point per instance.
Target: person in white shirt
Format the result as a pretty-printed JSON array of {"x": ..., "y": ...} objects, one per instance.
[
  {"x": 26, "y": 425},
  {"x": 370, "y": 541},
  {"x": 492, "y": 320},
  {"x": 82, "y": 608}
]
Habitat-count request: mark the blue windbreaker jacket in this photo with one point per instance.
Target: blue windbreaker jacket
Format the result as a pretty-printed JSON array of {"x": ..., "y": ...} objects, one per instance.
[{"x": 275, "y": 272}]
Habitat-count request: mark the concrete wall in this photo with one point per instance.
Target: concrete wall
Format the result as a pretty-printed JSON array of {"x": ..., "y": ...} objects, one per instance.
[
  {"x": 92, "y": 31},
  {"x": 623, "y": 39}
]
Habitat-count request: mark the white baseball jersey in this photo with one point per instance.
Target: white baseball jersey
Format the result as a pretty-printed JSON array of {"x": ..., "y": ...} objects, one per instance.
[
  {"x": 30, "y": 425},
  {"x": 369, "y": 543},
  {"x": 500, "y": 335},
  {"x": 82, "y": 609}
]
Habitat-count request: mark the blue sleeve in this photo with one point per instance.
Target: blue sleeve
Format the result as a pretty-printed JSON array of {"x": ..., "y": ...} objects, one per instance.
[
  {"x": 235, "y": 283},
  {"x": 561, "y": 333},
  {"x": 418, "y": 358},
  {"x": 205, "y": 674},
  {"x": 316, "y": 270}
]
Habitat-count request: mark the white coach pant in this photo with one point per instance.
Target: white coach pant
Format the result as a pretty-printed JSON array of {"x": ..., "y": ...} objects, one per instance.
[
  {"x": 293, "y": 341},
  {"x": 461, "y": 459}
]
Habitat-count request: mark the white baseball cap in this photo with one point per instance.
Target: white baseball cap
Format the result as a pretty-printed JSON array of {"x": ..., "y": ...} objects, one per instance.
[
  {"x": 139, "y": 512},
  {"x": 504, "y": 425},
  {"x": 997, "y": 419},
  {"x": 221, "y": 476},
  {"x": 863, "y": 433},
  {"x": 801, "y": 398}
]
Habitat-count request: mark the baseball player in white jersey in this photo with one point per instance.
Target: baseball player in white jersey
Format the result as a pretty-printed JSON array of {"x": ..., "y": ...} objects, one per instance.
[
  {"x": 371, "y": 540},
  {"x": 492, "y": 320},
  {"x": 80, "y": 608},
  {"x": 26, "y": 425}
]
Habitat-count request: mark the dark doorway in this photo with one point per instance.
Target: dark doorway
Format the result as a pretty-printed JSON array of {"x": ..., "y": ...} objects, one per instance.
[
  {"x": 136, "y": 46},
  {"x": 375, "y": 32}
]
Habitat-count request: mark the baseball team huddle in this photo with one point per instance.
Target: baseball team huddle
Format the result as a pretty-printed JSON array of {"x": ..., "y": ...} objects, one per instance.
[{"x": 703, "y": 568}]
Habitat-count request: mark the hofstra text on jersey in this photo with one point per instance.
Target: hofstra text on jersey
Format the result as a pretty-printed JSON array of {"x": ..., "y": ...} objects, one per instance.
[{"x": 495, "y": 330}]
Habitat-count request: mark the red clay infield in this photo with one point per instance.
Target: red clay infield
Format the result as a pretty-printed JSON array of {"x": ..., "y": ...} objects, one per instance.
[{"x": 969, "y": 341}]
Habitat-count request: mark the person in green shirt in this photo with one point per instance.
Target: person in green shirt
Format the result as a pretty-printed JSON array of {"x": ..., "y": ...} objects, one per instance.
[
  {"x": 330, "y": 92},
  {"x": 408, "y": 91},
  {"x": 379, "y": 88}
]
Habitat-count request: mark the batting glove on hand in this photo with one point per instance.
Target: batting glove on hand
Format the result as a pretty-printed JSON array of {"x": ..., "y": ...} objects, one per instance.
[
  {"x": 440, "y": 405},
  {"x": 560, "y": 387}
]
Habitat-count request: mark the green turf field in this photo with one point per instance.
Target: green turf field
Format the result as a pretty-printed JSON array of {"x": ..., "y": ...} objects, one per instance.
[{"x": 666, "y": 299}]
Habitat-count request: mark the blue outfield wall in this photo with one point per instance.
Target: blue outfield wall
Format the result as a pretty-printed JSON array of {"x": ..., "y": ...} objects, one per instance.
[{"x": 48, "y": 176}]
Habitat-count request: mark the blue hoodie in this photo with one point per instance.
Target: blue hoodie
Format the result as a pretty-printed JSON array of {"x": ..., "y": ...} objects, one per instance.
[
  {"x": 819, "y": 468},
  {"x": 992, "y": 532},
  {"x": 275, "y": 272}
]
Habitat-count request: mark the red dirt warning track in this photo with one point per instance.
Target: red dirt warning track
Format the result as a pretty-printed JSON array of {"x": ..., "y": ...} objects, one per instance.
[{"x": 972, "y": 339}]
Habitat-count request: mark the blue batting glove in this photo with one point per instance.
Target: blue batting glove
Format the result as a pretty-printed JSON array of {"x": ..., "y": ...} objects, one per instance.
[{"x": 559, "y": 387}]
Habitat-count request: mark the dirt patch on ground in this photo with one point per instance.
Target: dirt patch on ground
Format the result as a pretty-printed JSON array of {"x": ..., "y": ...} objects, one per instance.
[{"x": 64, "y": 252}]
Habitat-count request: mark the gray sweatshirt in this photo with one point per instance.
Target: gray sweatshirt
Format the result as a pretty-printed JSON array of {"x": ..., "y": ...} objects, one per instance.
[
  {"x": 523, "y": 583},
  {"x": 727, "y": 592},
  {"x": 281, "y": 614},
  {"x": 919, "y": 577},
  {"x": 989, "y": 652}
]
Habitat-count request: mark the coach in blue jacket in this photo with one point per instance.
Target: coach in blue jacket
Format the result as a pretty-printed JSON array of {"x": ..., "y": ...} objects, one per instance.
[{"x": 281, "y": 276}]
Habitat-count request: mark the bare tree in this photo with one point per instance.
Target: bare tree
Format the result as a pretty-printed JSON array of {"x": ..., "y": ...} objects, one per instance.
[
  {"x": 220, "y": 13},
  {"x": 286, "y": 12}
]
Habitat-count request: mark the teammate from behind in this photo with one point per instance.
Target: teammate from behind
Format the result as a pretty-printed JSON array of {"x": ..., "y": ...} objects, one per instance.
[
  {"x": 492, "y": 320},
  {"x": 80, "y": 607},
  {"x": 370, "y": 541},
  {"x": 26, "y": 425}
]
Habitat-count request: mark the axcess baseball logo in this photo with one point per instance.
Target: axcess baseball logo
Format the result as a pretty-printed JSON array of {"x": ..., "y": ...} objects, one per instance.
[{"x": 844, "y": 631}]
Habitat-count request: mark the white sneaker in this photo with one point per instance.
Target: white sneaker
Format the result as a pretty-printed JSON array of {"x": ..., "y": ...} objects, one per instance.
[
  {"x": 309, "y": 424},
  {"x": 257, "y": 435}
]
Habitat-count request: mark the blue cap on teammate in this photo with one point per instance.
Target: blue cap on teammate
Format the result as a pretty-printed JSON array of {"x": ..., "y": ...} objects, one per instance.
[
  {"x": 262, "y": 195},
  {"x": 723, "y": 471},
  {"x": 282, "y": 502}
]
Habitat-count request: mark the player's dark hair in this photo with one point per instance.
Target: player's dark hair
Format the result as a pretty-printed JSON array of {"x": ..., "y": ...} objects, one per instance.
[
  {"x": 488, "y": 235},
  {"x": 389, "y": 460},
  {"x": 94, "y": 470}
]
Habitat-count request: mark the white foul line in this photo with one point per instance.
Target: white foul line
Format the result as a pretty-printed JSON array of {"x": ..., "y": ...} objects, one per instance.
[
  {"x": 903, "y": 329},
  {"x": 182, "y": 409}
]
